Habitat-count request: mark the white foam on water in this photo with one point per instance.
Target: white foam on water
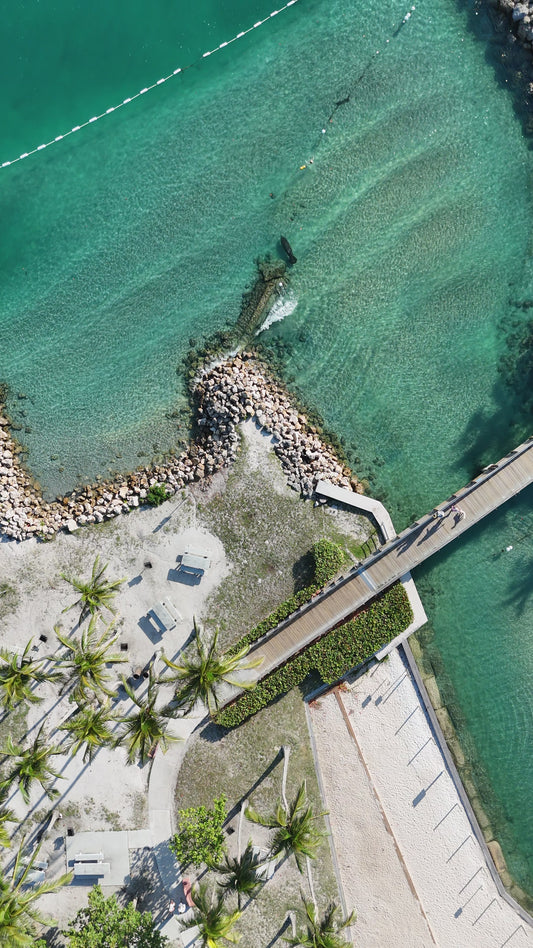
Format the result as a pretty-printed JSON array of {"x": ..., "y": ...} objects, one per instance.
[{"x": 283, "y": 307}]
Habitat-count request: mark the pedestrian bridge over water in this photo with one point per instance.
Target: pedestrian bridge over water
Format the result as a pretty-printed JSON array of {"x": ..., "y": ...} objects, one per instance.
[{"x": 496, "y": 484}]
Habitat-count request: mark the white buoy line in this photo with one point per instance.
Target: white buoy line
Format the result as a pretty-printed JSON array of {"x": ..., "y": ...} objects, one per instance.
[{"x": 159, "y": 82}]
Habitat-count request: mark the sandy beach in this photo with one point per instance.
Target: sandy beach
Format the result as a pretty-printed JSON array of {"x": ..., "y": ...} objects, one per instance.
[{"x": 408, "y": 859}]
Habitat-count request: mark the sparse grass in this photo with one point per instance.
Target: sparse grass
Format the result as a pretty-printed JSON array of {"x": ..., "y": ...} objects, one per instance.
[
  {"x": 246, "y": 764},
  {"x": 113, "y": 820},
  {"x": 140, "y": 811},
  {"x": 267, "y": 532},
  {"x": 9, "y": 599}
]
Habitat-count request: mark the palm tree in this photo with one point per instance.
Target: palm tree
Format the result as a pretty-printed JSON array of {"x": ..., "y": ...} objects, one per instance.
[
  {"x": 85, "y": 664},
  {"x": 294, "y": 829},
  {"x": 90, "y": 726},
  {"x": 241, "y": 873},
  {"x": 146, "y": 727},
  {"x": 6, "y": 816},
  {"x": 31, "y": 765},
  {"x": 321, "y": 932},
  {"x": 198, "y": 677},
  {"x": 96, "y": 594},
  {"x": 18, "y": 912},
  {"x": 210, "y": 916},
  {"x": 17, "y": 675}
]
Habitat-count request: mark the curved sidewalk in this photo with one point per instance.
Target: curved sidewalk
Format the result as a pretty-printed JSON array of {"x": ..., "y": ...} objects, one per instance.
[{"x": 161, "y": 785}]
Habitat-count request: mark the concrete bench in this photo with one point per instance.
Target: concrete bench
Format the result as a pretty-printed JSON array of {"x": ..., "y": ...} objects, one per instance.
[
  {"x": 92, "y": 868},
  {"x": 88, "y": 857}
]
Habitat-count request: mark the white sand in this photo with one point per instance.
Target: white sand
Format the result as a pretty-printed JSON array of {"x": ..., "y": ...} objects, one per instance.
[
  {"x": 398, "y": 823},
  {"x": 106, "y": 793}
]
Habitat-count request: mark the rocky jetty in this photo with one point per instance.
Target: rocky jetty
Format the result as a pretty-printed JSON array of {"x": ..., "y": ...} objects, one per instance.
[
  {"x": 226, "y": 393},
  {"x": 521, "y": 14}
]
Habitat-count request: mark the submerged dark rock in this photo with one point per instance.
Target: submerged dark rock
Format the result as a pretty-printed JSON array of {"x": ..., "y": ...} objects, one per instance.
[{"x": 288, "y": 250}]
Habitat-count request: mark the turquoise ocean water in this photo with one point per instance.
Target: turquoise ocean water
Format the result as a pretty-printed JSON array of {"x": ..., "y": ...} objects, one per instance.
[{"x": 412, "y": 232}]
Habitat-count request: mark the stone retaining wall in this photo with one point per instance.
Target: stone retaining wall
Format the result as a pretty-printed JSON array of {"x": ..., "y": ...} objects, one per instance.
[{"x": 227, "y": 393}]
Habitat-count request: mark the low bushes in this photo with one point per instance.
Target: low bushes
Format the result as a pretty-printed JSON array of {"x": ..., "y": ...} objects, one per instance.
[
  {"x": 328, "y": 559},
  {"x": 332, "y": 656},
  {"x": 157, "y": 495}
]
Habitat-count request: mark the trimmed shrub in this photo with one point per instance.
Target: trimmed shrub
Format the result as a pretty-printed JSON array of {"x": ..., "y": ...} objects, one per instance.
[
  {"x": 329, "y": 559},
  {"x": 332, "y": 656}
]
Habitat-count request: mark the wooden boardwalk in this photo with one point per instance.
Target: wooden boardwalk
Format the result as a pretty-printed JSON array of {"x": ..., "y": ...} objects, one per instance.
[{"x": 492, "y": 488}]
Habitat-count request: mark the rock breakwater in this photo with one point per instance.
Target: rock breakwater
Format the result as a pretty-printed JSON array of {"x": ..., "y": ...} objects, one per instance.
[
  {"x": 521, "y": 14},
  {"x": 226, "y": 394}
]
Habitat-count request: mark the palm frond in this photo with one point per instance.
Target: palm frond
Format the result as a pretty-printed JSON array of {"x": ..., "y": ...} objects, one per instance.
[
  {"x": 215, "y": 923},
  {"x": 146, "y": 727},
  {"x": 198, "y": 675},
  {"x": 97, "y": 593},
  {"x": 84, "y": 665},
  {"x": 321, "y": 932}
]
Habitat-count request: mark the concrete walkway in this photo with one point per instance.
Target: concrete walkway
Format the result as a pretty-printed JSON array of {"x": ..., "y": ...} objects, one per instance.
[
  {"x": 161, "y": 786},
  {"x": 360, "y": 502}
]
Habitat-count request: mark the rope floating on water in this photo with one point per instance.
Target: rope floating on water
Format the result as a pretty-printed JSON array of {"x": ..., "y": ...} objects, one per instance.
[{"x": 159, "y": 82}]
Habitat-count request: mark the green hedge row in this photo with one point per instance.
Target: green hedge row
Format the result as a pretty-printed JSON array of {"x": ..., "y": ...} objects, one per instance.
[
  {"x": 332, "y": 656},
  {"x": 328, "y": 559}
]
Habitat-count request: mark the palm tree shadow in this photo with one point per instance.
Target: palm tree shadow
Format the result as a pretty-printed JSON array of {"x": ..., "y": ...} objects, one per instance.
[
  {"x": 280, "y": 932},
  {"x": 42, "y": 718},
  {"x": 213, "y": 733}
]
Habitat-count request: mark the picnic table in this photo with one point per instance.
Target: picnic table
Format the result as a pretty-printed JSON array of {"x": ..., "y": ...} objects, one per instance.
[
  {"x": 194, "y": 562},
  {"x": 166, "y": 613}
]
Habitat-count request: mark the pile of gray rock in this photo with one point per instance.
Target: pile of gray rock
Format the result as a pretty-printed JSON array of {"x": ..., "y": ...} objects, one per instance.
[
  {"x": 227, "y": 393},
  {"x": 521, "y": 13}
]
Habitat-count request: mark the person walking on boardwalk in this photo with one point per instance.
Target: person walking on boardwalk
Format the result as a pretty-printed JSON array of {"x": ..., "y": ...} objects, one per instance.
[
  {"x": 438, "y": 514},
  {"x": 458, "y": 511}
]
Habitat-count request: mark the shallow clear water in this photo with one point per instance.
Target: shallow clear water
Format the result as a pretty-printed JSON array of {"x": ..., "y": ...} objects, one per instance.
[
  {"x": 479, "y": 599},
  {"x": 411, "y": 229}
]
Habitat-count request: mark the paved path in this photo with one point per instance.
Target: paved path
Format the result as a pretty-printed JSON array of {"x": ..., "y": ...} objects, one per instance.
[{"x": 161, "y": 805}]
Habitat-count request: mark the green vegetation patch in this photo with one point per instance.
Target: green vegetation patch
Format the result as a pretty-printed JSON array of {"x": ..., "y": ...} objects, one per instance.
[
  {"x": 332, "y": 656},
  {"x": 200, "y": 836},
  {"x": 157, "y": 495},
  {"x": 267, "y": 532},
  {"x": 106, "y": 922},
  {"x": 246, "y": 764},
  {"x": 328, "y": 559}
]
